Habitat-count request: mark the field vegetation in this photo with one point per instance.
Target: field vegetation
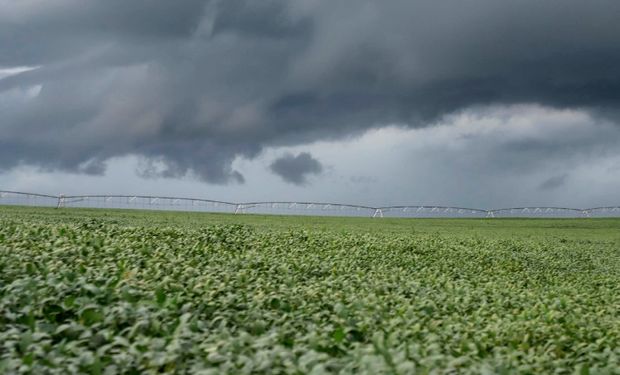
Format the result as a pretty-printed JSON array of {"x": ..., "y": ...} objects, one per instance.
[{"x": 107, "y": 292}]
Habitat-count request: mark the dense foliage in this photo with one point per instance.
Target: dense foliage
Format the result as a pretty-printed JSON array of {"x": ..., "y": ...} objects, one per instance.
[{"x": 90, "y": 296}]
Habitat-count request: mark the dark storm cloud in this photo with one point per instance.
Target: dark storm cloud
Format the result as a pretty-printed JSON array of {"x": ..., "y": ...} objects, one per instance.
[
  {"x": 553, "y": 182},
  {"x": 295, "y": 169},
  {"x": 194, "y": 84}
]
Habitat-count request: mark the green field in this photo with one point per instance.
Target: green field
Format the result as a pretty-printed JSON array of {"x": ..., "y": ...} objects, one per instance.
[{"x": 113, "y": 291}]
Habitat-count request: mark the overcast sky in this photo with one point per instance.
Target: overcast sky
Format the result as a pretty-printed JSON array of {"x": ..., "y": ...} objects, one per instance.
[{"x": 479, "y": 103}]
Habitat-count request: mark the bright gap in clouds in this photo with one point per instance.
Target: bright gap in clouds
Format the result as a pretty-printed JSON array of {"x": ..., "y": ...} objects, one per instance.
[
  {"x": 18, "y": 94},
  {"x": 485, "y": 157},
  {"x": 9, "y": 71}
]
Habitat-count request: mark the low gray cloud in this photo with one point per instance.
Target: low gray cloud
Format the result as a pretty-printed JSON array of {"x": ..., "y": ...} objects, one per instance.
[
  {"x": 194, "y": 84},
  {"x": 466, "y": 161},
  {"x": 553, "y": 182},
  {"x": 295, "y": 169},
  {"x": 363, "y": 179}
]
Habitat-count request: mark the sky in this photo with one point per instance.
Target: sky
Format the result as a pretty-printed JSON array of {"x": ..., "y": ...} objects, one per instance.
[{"x": 474, "y": 103}]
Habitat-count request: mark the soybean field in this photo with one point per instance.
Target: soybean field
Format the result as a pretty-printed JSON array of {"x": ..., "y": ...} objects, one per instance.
[{"x": 129, "y": 292}]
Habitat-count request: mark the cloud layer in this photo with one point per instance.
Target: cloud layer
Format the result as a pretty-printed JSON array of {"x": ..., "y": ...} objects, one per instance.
[
  {"x": 190, "y": 86},
  {"x": 470, "y": 159}
]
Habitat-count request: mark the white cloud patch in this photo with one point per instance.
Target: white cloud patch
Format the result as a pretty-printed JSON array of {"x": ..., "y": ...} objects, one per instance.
[{"x": 7, "y": 72}]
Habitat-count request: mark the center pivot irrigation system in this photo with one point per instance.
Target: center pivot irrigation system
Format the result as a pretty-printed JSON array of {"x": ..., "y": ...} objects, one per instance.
[{"x": 289, "y": 208}]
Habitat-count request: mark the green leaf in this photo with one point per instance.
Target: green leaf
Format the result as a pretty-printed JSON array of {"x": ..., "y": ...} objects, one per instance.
[
  {"x": 160, "y": 296},
  {"x": 91, "y": 316},
  {"x": 338, "y": 335}
]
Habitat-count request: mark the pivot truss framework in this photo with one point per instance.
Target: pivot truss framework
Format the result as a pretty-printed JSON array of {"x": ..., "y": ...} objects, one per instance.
[{"x": 289, "y": 208}]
